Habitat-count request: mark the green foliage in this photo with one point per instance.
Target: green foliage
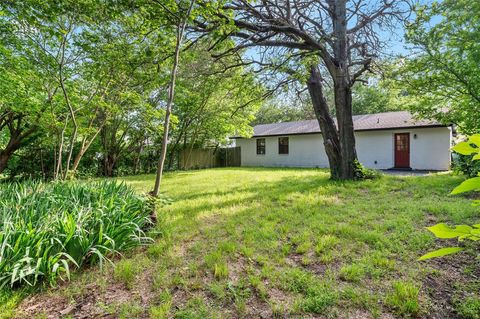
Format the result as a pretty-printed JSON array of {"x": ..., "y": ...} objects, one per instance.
[
  {"x": 376, "y": 224},
  {"x": 462, "y": 232},
  {"x": 464, "y": 164},
  {"x": 47, "y": 230},
  {"x": 443, "y": 77},
  {"x": 377, "y": 96},
  {"x": 441, "y": 252},
  {"x": 277, "y": 110},
  {"x": 361, "y": 172},
  {"x": 130, "y": 310}
]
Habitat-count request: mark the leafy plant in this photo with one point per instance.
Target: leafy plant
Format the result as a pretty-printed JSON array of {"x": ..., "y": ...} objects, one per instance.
[
  {"x": 48, "y": 229},
  {"x": 470, "y": 147},
  {"x": 361, "y": 172}
]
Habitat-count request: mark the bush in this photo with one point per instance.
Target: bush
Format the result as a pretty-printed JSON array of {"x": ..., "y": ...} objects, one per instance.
[
  {"x": 46, "y": 229},
  {"x": 361, "y": 172},
  {"x": 466, "y": 165}
]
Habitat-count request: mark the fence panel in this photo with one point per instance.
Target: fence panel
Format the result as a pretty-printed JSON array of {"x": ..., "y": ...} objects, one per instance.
[{"x": 209, "y": 157}]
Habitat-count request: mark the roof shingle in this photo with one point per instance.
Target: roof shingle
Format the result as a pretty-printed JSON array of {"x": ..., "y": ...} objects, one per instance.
[{"x": 367, "y": 122}]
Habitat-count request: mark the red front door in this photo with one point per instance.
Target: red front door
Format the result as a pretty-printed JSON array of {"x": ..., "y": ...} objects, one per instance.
[{"x": 402, "y": 150}]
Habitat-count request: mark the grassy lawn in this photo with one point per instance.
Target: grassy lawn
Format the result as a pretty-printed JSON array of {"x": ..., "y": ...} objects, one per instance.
[{"x": 283, "y": 243}]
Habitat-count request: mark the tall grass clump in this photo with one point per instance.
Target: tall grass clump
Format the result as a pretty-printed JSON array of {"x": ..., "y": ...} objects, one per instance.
[{"x": 49, "y": 229}]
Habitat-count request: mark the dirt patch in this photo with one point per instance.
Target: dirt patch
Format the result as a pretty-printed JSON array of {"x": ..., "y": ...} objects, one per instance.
[
  {"x": 82, "y": 306},
  {"x": 430, "y": 219},
  {"x": 256, "y": 308},
  {"x": 93, "y": 301},
  {"x": 442, "y": 284}
]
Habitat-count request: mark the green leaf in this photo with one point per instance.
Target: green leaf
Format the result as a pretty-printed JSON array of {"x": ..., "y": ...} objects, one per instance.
[
  {"x": 464, "y": 148},
  {"x": 475, "y": 139},
  {"x": 444, "y": 231},
  {"x": 467, "y": 186},
  {"x": 441, "y": 252},
  {"x": 476, "y": 157}
]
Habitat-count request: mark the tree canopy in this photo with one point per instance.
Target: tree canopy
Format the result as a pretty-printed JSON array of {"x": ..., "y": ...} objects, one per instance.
[{"x": 443, "y": 76}]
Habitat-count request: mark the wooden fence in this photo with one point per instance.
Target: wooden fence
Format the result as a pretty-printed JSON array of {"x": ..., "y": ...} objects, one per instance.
[{"x": 209, "y": 157}]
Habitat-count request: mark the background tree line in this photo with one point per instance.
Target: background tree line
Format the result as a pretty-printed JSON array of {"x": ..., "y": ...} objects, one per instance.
[
  {"x": 85, "y": 84},
  {"x": 84, "y": 89}
]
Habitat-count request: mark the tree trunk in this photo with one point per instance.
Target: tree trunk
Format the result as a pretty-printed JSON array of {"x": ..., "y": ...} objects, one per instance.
[
  {"x": 136, "y": 162},
  {"x": 4, "y": 158},
  {"x": 109, "y": 165},
  {"x": 327, "y": 125},
  {"x": 342, "y": 90},
  {"x": 7, "y": 152},
  {"x": 171, "y": 93},
  {"x": 83, "y": 149},
  {"x": 343, "y": 106}
]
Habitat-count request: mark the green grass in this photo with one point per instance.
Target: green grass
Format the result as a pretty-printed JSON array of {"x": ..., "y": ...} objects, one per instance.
[
  {"x": 243, "y": 241},
  {"x": 470, "y": 308},
  {"x": 404, "y": 299}
]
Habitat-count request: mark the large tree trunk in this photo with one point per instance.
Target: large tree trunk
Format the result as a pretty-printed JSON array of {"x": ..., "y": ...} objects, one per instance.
[
  {"x": 343, "y": 106},
  {"x": 327, "y": 125},
  {"x": 342, "y": 90}
]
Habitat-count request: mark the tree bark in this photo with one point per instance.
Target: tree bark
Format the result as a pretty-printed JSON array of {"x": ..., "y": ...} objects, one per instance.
[
  {"x": 342, "y": 90},
  {"x": 327, "y": 125},
  {"x": 171, "y": 93},
  {"x": 15, "y": 141},
  {"x": 5, "y": 156},
  {"x": 136, "y": 162},
  {"x": 83, "y": 149},
  {"x": 109, "y": 165},
  {"x": 12, "y": 146}
]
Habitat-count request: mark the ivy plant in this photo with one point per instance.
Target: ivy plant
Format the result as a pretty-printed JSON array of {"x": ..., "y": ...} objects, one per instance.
[{"x": 470, "y": 147}]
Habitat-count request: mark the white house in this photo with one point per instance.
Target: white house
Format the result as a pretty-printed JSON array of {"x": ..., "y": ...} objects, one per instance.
[{"x": 383, "y": 141}]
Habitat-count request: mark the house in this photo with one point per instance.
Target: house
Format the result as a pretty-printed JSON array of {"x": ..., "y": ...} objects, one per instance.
[{"x": 383, "y": 141}]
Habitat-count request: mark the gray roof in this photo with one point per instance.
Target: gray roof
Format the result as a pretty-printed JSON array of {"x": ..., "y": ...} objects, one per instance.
[{"x": 367, "y": 122}]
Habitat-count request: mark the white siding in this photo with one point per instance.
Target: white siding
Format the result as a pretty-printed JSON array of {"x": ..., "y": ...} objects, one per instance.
[{"x": 430, "y": 150}]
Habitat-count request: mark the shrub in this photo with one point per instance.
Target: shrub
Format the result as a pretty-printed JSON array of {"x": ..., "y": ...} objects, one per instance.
[
  {"x": 361, "y": 172},
  {"x": 466, "y": 165},
  {"x": 46, "y": 229}
]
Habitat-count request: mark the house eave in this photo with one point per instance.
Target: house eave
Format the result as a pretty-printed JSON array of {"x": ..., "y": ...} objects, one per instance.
[{"x": 360, "y": 130}]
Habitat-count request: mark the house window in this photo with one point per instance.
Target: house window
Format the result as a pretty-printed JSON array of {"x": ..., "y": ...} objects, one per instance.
[
  {"x": 260, "y": 146},
  {"x": 283, "y": 145}
]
